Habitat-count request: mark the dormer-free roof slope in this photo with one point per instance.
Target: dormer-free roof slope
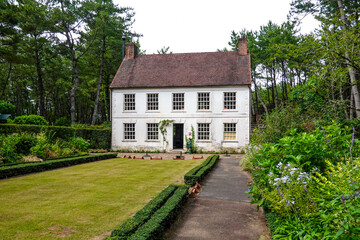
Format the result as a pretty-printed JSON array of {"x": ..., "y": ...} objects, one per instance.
[{"x": 183, "y": 70}]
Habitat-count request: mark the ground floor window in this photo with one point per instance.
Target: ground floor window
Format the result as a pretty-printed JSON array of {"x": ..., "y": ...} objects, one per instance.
[
  {"x": 152, "y": 131},
  {"x": 229, "y": 131},
  {"x": 203, "y": 131},
  {"x": 129, "y": 131}
]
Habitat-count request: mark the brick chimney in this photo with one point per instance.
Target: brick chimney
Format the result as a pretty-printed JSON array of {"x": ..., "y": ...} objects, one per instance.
[
  {"x": 131, "y": 51},
  {"x": 242, "y": 48}
]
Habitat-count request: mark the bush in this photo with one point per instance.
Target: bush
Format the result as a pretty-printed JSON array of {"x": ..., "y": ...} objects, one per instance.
[
  {"x": 131, "y": 225},
  {"x": 162, "y": 218},
  {"x": 63, "y": 121},
  {"x": 7, "y": 108},
  {"x": 7, "y": 148},
  {"x": 24, "y": 143},
  {"x": 310, "y": 182},
  {"x": 30, "y": 119},
  {"x": 79, "y": 143},
  {"x": 99, "y": 138},
  {"x": 26, "y": 168},
  {"x": 197, "y": 174}
]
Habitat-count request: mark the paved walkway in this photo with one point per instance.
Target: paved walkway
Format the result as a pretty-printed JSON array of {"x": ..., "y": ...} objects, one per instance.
[{"x": 222, "y": 210}]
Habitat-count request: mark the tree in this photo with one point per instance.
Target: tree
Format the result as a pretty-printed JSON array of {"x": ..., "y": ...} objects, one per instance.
[{"x": 164, "y": 50}]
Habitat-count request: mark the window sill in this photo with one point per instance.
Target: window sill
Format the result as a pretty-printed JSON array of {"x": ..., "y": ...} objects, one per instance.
[
  {"x": 203, "y": 141},
  {"x": 128, "y": 140},
  {"x": 178, "y": 111},
  {"x": 152, "y": 111},
  {"x": 206, "y": 110},
  {"x": 230, "y": 110},
  {"x": 152, "y": 140},
  {"x": 229, "y": 141}
]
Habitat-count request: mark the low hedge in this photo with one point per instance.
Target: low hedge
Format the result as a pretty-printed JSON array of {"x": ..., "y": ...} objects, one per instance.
[
  {"x": 26, "y": 168},
  {"x": 164, "y": 217},
  {"x": 99, "y": 138},
  {"x": 132, "y": 224},
  {"x": 198, "y": 173}
]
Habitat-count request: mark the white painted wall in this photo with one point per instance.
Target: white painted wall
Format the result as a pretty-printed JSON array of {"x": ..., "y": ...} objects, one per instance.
[{"x": 190, "y": 116}]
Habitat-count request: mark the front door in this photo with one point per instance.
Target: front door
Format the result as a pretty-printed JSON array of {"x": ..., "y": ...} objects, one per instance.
[{"x": 178, "y": 136}]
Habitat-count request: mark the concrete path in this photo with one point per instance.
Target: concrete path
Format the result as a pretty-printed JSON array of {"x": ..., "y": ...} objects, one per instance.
[{"x": 222, "y": 210}]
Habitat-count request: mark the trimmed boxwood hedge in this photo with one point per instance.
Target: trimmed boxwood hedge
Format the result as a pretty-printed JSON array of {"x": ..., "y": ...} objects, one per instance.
[
  {"x": 11, "y": 171},
  {"x": 198, "y": 173},
  {"x": 164, "y": 217},
  {"x": 132, "y": 224},
  {"x": 99, "y": 138}
]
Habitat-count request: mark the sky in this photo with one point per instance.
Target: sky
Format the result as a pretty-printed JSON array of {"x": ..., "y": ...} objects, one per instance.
[{"x": 202, "y": 25}]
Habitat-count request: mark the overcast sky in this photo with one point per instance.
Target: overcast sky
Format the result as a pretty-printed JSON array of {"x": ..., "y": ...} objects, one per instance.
[{"x": 202, "y": 25}]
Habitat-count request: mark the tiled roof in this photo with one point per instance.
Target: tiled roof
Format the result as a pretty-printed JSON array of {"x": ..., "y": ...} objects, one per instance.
[{"x": 184, "y": 70}]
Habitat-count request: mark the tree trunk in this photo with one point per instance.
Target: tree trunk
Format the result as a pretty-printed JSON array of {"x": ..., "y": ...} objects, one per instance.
[
  {"x": 6, "y": 82},
  {"x": 40, "y": 84},
  {"x": 351, "y": 106},
  {"x": 342, "y": 101},
  {"x": 94, "y": 116},
  {"x": 274, "y": 86},
  {"x": 258, "y": 96},
  {"x": 354, "y": 88}
]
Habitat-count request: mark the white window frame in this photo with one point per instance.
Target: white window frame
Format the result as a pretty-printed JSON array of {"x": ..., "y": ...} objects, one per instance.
[
  {"x": 178, "y": 101},
  {"x": 229, "y": 129},
  {"x": 203, "y": 98},
  {"x": 203, "y": 130},
  {"x": 152, "y": 131},
  {"x": 230, "y": 101},
  {"x": 129, "y": 104},
  {"x": 152, "y": 102},
  {"x": 129, "y": 131}
]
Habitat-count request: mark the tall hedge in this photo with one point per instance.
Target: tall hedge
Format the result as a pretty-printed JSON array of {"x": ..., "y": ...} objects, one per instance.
[{"x": 99, "y": 138}]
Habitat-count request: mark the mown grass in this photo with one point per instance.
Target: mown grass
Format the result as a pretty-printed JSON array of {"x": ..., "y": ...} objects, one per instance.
[{"x": 84, "y": 201}]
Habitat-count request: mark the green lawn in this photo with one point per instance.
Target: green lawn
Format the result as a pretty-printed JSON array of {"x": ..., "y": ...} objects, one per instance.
[{"x": 83, "y": 201}]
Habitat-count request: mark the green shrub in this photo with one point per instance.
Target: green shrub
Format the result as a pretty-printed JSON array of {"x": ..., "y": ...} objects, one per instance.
[
  {"x": 131, "y": 225},
  {"x": 7, "y": 108},
  {"x": 30, "y": 119},
  {"x": 42, "y": 147},
  {"x": 24, "y": 143},
  {"x": 99, "y": 138},
  {"x": 7, "y": 148},
  {"x": 80, "y": 143},
  {"x": 162, "y": 218},
  {"x": 63, "y": 121},
  {"x": 26, "y": 168},
  {"x": 197, "y": 174}
]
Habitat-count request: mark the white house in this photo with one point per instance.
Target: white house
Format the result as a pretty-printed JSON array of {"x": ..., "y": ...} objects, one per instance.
[{"x": 207, "y": 91}]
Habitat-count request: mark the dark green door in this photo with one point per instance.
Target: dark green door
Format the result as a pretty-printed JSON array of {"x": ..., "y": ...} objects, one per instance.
[{"x": 178, "y": 136}]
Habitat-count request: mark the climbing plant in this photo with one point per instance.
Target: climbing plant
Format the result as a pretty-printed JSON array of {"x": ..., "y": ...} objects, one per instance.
[
  {"x": 162, "y": 127},
  {"x": 193, "y": 148}
]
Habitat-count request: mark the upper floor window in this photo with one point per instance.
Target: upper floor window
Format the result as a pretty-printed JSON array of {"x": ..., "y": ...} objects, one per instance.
[
  {"x": 129, "y": 131},
  {"x": 229, "y": 131},
  {"x": 229, "y": 100},
  {"x": 129, "y": 102},
  {"x": 152, "y": 131},
  {"x": 178, "y": 101},
  {"x": 152, "y": 101},
  {"x": 203, "y": 131},
  {"x": 203, "y": 101}
]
